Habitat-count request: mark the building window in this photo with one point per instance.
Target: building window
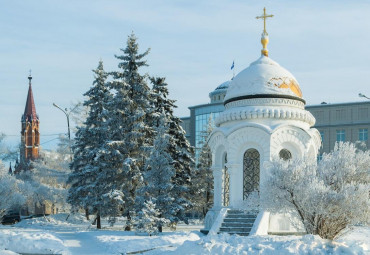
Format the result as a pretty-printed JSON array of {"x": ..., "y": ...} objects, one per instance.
[
  {"x": 319, "y": 157},
  {"x": 201, "y": 126},
  {"x": 251, "y": 172},
  {"x": 285, "y": 154},
  {"x": 341, "y": 135},
  {"x": 362, "y": 134}
]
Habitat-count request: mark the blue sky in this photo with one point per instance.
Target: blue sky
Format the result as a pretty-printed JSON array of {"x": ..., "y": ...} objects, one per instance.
[{"x": 324, "y": 44}]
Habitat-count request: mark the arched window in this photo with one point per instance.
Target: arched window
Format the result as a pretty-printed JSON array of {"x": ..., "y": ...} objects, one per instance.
[
  {"x": 37, "y": 138},
  {"x": 251, "y": 172},
  {"x": 285, "y": 154},
  {"x": 226, "y": 184}
]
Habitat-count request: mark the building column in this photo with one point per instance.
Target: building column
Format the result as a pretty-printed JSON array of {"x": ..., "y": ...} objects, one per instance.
[
  {"x": 236, "y": 184},
  {"x": 217, "y": 184}
]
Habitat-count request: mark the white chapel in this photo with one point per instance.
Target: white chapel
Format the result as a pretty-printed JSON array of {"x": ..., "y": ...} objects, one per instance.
[{"x": 264, "y": 117}]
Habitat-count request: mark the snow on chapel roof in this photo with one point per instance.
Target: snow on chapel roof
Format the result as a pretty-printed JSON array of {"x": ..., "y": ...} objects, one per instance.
[{"x": 263, "y": 78}]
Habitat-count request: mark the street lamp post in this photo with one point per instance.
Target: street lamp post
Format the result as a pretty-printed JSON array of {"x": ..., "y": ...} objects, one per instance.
[
  {"x": 67, "y": 113},
  {"x": 362, "y": 95}
]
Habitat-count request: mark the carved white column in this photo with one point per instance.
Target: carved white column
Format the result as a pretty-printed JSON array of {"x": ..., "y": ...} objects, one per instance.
[
  {"x": 217, "y": 182},
  {"x": 236, "y": 184}
]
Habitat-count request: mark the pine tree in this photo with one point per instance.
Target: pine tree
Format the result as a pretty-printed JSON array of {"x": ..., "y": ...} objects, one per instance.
[
  {"x": 159, "y": 173},
  {"x": 178, "y": 148},
  {"x": 86, "y": 191},
  {"x": 202, "y": 186},
  {"x": 130, "y": 132}
]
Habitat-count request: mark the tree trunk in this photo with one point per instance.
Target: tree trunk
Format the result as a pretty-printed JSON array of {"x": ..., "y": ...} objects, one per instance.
[
  {"x": 98, "y": 222},
  {"x": 87, "y": 213},
  {"x": 128, "y": 222},
  {"x": 160, "y": 228}
]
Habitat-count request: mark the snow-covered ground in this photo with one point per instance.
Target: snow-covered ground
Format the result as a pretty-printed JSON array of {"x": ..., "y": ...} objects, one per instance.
[{"x": 55, "y": 235}]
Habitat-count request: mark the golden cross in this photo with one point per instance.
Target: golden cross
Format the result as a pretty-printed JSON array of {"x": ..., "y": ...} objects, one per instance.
[{"x": 264, "y": 17}]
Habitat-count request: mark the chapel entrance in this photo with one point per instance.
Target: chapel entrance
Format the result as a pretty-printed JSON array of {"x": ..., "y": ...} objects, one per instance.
[{"x": 251, "y": 172}]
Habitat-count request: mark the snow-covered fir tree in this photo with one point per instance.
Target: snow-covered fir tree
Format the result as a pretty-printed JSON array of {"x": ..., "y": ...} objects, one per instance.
[
  {"x": 179, "y": 149},
  {"x": 129, "y": 126},
  {"x": 90, "y": 185},
  {"x": 328, "y": 196},
  {"x": 202, "y": 185},
  {"x": 148, "y": 218},
  {"x": 158, "y": 176}
]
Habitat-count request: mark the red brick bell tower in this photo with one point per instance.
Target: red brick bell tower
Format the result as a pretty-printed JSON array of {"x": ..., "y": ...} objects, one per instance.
[{"x": 30, "y": 135}]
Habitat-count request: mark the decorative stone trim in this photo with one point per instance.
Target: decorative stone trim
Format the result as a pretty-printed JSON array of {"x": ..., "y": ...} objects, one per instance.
[
  {"x": 265, "y": 101},
  {"x": 316, "y": 136},
  {"x": 246, "y": 138},
  {"x": 297, "y": 138},
  {"x": 248, "y": 113},
  {"x": 217, "y": 138},
  {"x": 258, "y": 99}
]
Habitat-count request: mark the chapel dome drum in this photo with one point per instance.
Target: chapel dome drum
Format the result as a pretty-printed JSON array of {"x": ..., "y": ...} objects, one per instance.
[{"x": 264, "y": 78}]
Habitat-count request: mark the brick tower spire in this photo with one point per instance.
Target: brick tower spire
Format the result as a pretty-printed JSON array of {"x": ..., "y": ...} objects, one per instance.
[{"x": 30, "y": 136}]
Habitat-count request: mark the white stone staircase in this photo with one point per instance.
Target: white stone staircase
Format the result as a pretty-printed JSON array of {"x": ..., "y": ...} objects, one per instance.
[{"x": 238, "y": 222}]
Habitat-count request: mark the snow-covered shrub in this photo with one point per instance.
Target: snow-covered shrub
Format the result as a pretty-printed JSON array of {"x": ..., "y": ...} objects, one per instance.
[
  {"x": 252, "y": 203},
  {"x": 329, "y": 195}
]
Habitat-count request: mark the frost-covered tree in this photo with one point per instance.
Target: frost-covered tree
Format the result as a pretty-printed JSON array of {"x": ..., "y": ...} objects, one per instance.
[
  {"x": 158, "y": 176},
  {"x": 8, "y": 153},
  {"x": 130, "y": 131},
  {"x": 10, "y": 192},
  {"x": 46, "y": 181},
  {"x": 148, "y": 219},
  {"x": 179, "y": 149},
  {"x": 202, "y": 185},
  {"x": 92, "y": 185},
  {"x": 329, "y": 195}
]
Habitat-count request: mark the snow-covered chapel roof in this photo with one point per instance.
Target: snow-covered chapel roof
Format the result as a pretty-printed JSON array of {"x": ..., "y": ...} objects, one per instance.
[{"x": 263, "y": 78}]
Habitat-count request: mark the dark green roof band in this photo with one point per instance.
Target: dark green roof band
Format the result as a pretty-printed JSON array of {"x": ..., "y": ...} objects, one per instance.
[{"x": 263, "y": 96}]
